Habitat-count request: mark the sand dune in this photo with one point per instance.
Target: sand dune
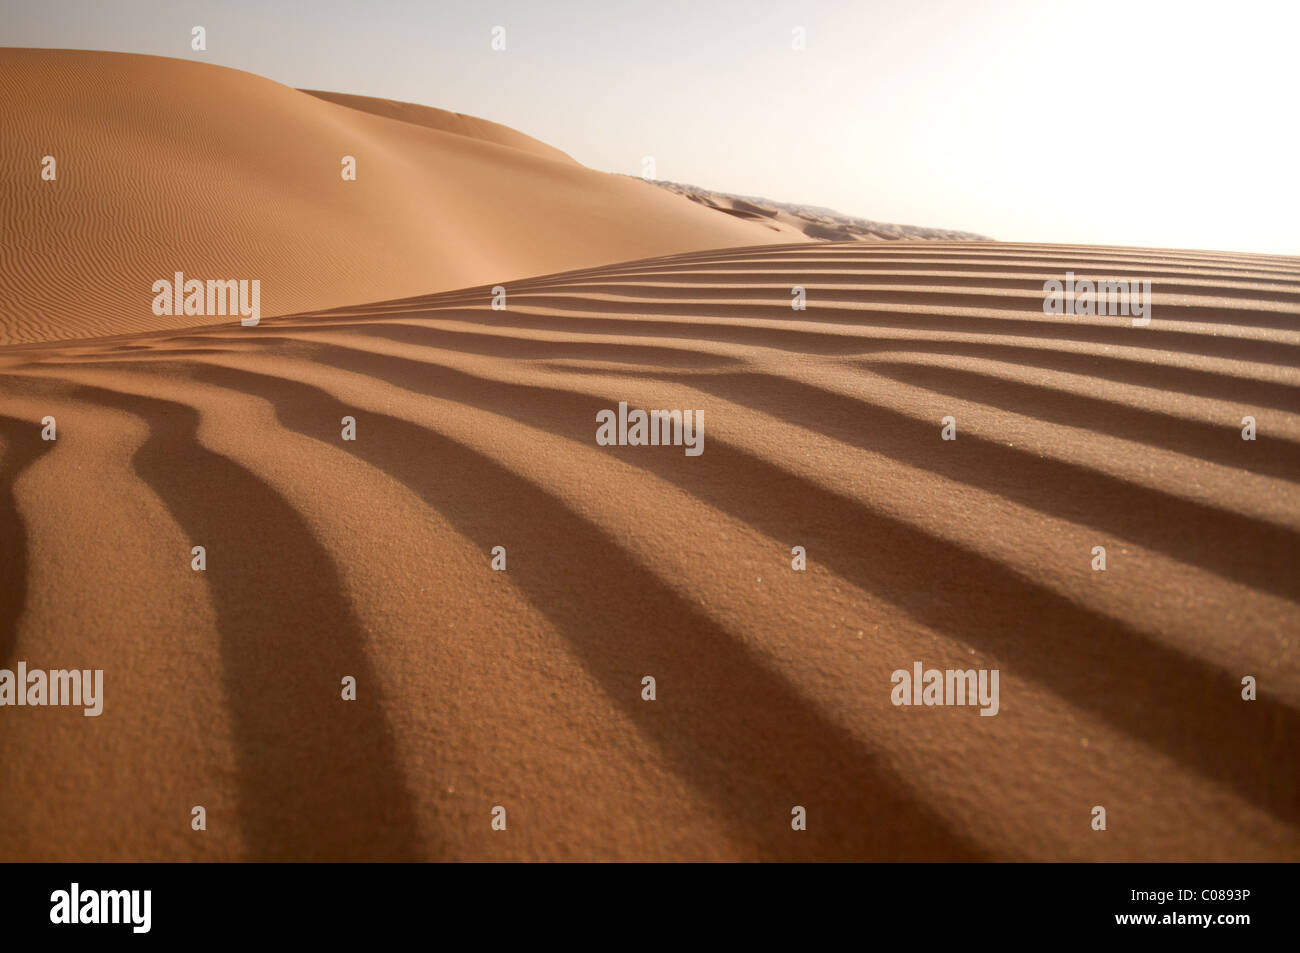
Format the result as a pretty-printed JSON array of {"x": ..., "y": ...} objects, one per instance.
[
  {"x": 813, "y": 221},
  {"x": 522, "y": 688},
  {"x": 446, "y": 121},
  {"x": 168, "y": 165}
]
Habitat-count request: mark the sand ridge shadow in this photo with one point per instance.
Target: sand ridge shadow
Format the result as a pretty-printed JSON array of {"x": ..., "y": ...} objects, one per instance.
[
  {"x": 734, "y": 728},
  {"x": 22, "y": 446},
  {"x": 804, "y": 340},
  {"x": 1037, "y": 325},
  {"x": 1254, "y": 552},
  {"x": 1175, "y": 701},
  {"x": 319, "y": 778},
  {"x": 1199, "y": 439}
]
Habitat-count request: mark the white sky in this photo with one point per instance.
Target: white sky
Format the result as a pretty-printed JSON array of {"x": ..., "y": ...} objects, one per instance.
[{"x": 1137, "y": 122}]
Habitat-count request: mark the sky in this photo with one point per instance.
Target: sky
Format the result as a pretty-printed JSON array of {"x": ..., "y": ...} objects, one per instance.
[{"x": 1167, "y": 123}]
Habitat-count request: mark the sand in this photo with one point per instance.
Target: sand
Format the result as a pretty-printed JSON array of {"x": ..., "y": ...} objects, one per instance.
[
  {"x": 372, "y": 559},
  {"x": 522, "y": 688}
]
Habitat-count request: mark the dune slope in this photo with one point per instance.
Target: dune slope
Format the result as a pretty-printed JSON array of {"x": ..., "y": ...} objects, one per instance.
[
  {"x": 446, "y": 121},
  {"x": 372, "y": 559},
  {"x": 165, "y": 165}
]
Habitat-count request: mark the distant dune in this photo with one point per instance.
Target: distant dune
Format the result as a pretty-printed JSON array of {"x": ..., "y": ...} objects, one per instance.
[
  {"x": 815, "y": 222},
  {"x": 168, "y": 165},
  {"x": 522, "y": 688}
]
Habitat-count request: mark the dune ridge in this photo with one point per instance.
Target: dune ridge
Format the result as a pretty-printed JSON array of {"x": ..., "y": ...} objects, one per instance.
[{"x": 475, "y": 428}]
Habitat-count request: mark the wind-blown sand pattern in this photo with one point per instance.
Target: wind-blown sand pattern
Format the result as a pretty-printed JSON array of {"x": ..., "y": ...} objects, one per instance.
[{"x": 475, "y": 428}]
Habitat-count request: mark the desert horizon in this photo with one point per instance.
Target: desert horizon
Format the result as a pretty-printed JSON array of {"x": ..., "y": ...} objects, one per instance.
[{"x": 382, "y": 483}]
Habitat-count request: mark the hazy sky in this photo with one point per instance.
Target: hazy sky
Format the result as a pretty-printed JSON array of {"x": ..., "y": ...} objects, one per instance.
[{"x": 1111, "y": 121}]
